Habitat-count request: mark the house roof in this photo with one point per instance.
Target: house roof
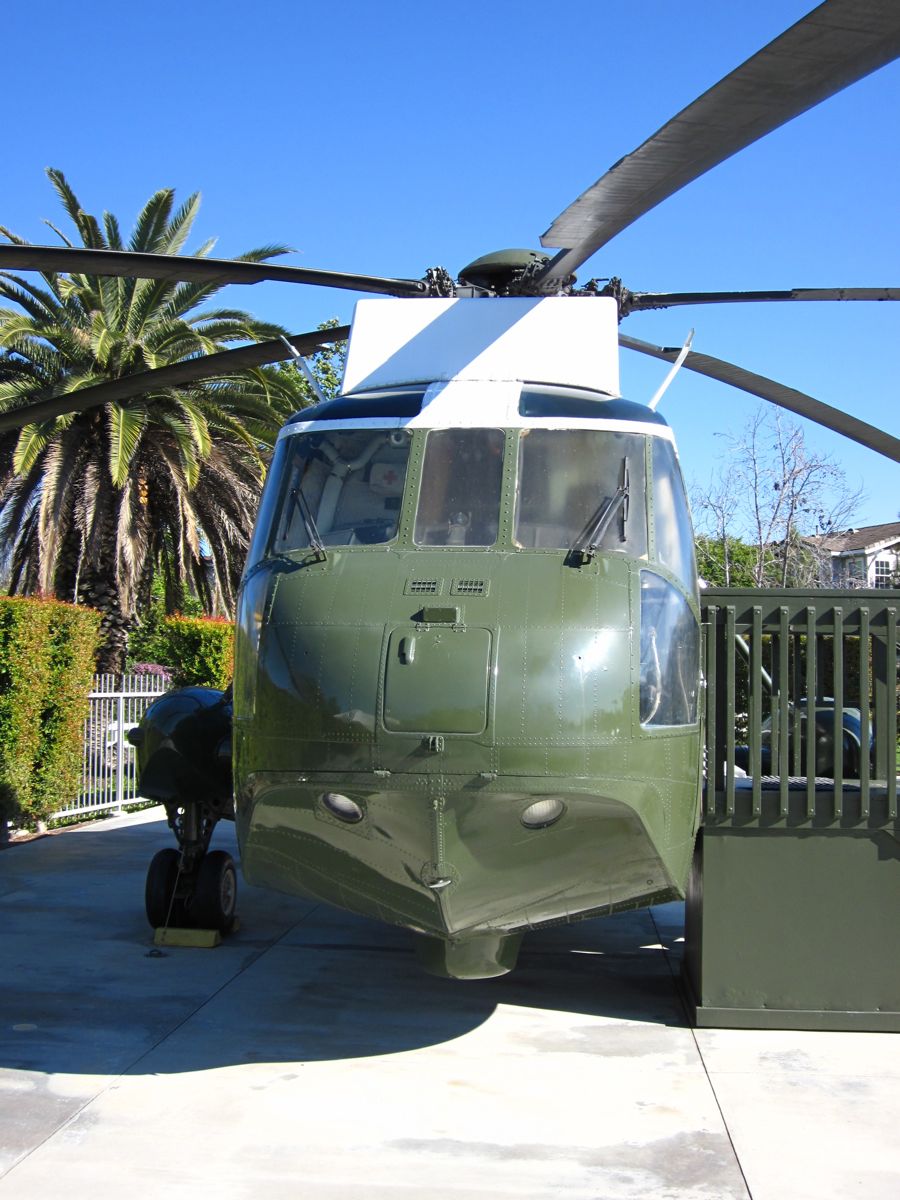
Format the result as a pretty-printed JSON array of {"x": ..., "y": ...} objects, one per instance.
[{"x": 865, "y": 538}]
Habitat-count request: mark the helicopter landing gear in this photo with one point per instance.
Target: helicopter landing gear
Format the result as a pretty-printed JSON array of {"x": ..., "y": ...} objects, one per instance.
[
  {"x": 191, "y": 887},
  {"x": 215, "y": 893},
  {"x": 159, "y": 892}
]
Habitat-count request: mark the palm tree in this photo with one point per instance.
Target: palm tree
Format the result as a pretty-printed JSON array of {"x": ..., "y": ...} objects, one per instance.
[{"x": 93, "y": 503}]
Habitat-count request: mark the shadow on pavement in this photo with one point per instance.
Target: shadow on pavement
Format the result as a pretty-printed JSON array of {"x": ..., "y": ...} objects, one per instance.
[{"x": 86, "y": 994}]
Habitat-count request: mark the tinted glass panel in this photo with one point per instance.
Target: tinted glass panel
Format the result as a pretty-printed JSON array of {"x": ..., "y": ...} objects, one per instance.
[
  {"x": 268, "y": 504},
  {"x": 670, "y": 654},
  {"x": 571, "y": 484},
  {"x": 672, "y": 521},
  {"x": 351, "y": 483},
  {"x": 459, "y": 502},
  {"x": 374, "y": 404},
  {"x": 537, "y": 401}
]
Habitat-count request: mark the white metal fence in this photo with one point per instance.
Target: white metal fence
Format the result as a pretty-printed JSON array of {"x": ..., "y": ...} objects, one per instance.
[{"x": 109, "y": 770}]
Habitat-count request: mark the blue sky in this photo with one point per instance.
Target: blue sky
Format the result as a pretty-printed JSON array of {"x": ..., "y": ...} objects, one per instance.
[{"x": 389, "y": 137}]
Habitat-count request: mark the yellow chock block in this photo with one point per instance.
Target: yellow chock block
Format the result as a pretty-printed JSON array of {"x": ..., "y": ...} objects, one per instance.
[{"x": 198, "y": 939}]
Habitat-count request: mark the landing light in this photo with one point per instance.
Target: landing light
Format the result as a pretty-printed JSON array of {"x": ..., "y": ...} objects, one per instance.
[
  {"x": 342, "y": 807},
  {"x": 543, "y": 812}
]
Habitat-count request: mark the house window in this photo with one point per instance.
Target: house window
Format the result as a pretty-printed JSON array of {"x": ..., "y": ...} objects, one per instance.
[{"x": 883, "y": 572}]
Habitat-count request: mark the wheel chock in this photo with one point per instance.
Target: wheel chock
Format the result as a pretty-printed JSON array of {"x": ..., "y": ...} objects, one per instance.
[{"x": 198, "y": 939}]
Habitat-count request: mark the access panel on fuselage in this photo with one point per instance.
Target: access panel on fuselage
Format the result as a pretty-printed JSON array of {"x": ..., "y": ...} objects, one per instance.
[{"x": 437, "y": 680}]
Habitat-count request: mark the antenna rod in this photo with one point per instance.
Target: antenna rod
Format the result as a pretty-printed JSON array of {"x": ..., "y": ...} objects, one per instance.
[
  {"x": 673, "y": 371},
  {"x": 304, "y": 367}
]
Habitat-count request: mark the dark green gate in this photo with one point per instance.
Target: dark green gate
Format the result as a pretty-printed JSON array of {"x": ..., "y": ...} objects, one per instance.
[{"x": 793, "y": 914}]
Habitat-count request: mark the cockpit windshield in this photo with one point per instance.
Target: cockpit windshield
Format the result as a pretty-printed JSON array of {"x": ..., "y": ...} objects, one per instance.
[
  {"x": 341, "y": 489},
  {"x": 459, "y": 501},
  {"x": 578, "y": 490},
  {"x": 581, "y": 489}
]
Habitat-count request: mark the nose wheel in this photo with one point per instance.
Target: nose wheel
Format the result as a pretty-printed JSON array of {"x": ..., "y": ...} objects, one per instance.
[
  {"x": 192, "y": 887},
  {"x": 205, "y": 898},
  {"x": 160, "y": 899},
  {"x": 215, "y": 893}
]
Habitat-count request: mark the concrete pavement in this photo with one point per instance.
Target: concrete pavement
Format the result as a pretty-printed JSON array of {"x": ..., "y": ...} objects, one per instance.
[{"x": 309, "y": 1057}]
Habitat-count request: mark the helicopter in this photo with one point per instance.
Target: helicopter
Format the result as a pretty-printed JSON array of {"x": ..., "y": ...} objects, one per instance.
[{"x": 467, "y": 694}]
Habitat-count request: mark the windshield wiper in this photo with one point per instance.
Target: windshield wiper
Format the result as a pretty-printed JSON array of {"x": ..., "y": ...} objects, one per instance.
[
  {"x": 589, "y": 542},
  {"x": 309, "y": 523}
]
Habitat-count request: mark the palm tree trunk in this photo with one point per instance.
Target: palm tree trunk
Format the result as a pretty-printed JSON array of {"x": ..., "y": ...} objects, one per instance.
[{"x": 92, "y": 582}]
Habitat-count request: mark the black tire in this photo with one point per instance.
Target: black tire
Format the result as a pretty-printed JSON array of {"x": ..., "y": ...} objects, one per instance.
[
  {"x": 215, "y": 893},
  {"x": 162, "y": 876},
  {"x": 852, "y": 756}
]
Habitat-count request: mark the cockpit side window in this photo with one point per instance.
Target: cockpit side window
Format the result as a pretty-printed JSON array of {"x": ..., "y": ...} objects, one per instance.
[
  {"x": 671, "y": 516},
  {"x": 459, "y": 501},
  {"x": 578, "y": 485},
  {"x": 346, "y": 487}
]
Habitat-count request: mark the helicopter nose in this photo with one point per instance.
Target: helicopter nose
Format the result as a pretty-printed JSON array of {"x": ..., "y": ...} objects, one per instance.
[{"x": 451, "y": 864}]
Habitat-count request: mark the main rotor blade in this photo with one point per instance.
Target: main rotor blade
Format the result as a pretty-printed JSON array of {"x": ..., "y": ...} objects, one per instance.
[
  {"x": 835, "y": 45},
  {"x": 785, "y": 397},
  {"x": 182, "y": 268},
  {"x": 642, "y": 300},
  {"x": 206, "y": 366}
]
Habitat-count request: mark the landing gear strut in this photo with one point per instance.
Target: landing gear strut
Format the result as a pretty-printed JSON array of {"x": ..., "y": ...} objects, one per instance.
[
  {"x": 191, "y": 887},
  {"x": 184, "y": 761}
]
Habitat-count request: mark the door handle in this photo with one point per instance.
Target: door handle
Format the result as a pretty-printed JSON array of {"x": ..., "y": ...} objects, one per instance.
[{"x": 407, "y": 649}]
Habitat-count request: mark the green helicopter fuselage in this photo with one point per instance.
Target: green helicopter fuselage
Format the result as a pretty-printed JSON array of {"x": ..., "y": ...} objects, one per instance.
[{"x": 467, "y": 665}]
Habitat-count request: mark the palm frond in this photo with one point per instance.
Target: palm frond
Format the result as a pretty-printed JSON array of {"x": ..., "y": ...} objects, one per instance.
[
  {"x": 231, "y": 328},
  {"x": 113, "y": 233},
  {"x": 126, "y": 426},
  {"x": 55, "y": 512},
  {"x": 132, "y": 544},
  {"x": 18, "y": 500},
  {"x": 148, "y": 297},
  {"x": 180, "y": 225},
  {"x": 91, "y": 233},
  {"x": 33, "y": 440},
  {"x": 184, "y": 437},
  {"x": 59, "y": 233},
  {"x": 103, "y": 340},
  {"x": 63, "y": 189},
  {"x": 188, "y": 295},
  {"x": 263, "y": 253},
  {"x": 152, "y": 220},
  {"x": 38, "y": 303},
  {"x": 14, "y": 326},
  {"x": 89, "y": 494},
  {"x": 23, "y": 573}
]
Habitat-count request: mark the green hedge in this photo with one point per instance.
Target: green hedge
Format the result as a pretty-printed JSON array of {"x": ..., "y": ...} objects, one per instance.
[
  {"x": 47, "y": 652},
  {"x": 197, "y": 650}
]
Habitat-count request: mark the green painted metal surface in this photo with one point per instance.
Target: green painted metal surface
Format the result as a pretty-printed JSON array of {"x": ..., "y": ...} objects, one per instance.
[
  {"x": 792, "y": 913},
  {"x": 796, "y": 929},
  {"x": 541, "y": 701},
  {"x": 444, "y": 691}
]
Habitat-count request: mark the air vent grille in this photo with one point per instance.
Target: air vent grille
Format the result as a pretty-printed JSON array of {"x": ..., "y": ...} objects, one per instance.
[
  {"x": 423, "y": 587},
  {"x": 470, "y": 587}
]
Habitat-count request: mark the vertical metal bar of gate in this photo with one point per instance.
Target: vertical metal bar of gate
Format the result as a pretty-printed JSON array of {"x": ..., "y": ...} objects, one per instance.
[
  {"x": 109, "y": 779},
  {"x": 120, "y": 750},
  {"x": 837, "y": 659},
  {"x": 864, "y": 725},
  {"x": 784, "y": 707},
  {"x": 890, "y": 710},
  {"x": 833, "y": 657},
  {"x": 811, "y": 673}
]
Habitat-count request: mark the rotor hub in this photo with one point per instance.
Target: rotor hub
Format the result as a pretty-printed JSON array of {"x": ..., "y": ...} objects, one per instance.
[{"x": 503, "y": 271}]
